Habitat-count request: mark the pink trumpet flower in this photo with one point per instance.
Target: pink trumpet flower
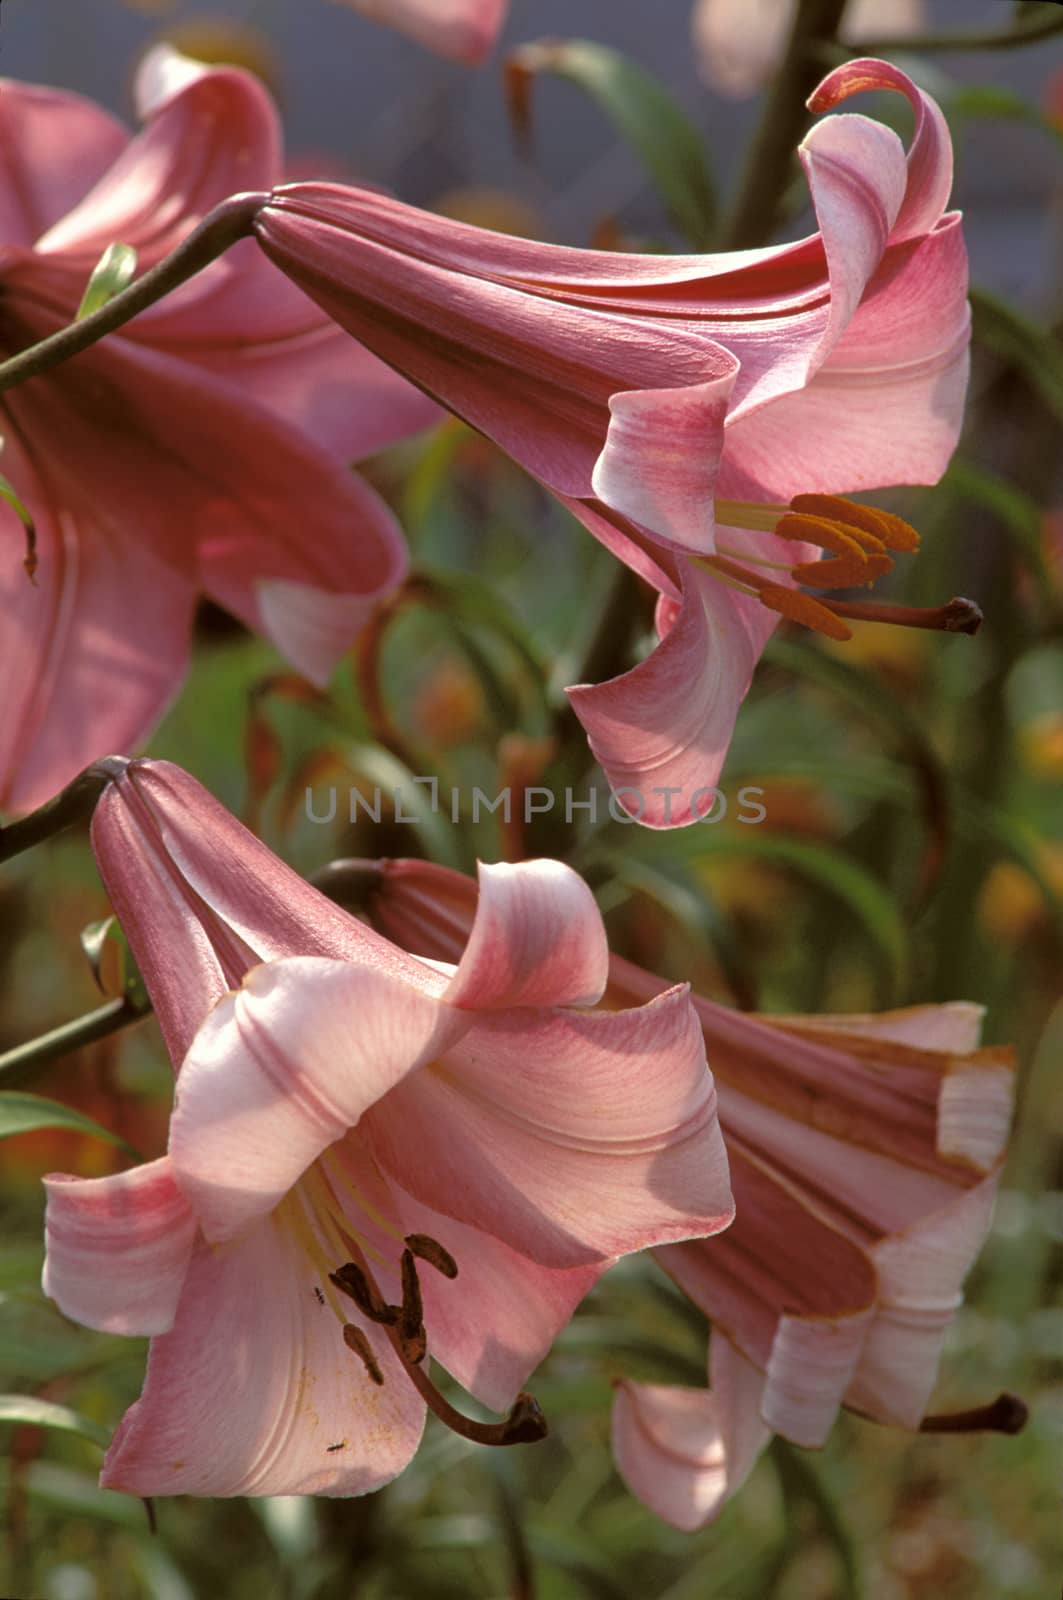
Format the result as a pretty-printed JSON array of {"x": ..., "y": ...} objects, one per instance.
[
  {"x": 465, "y": 30},
  {"x": 699, "y": 414},
  {"x": 353, "y": 1129},
  {"x": 202, "y": 449},
  {"x": 865, "y": 1154}
]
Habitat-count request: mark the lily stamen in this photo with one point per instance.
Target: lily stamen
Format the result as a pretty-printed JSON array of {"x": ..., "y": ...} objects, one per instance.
[
  {"x": 525, "y": 1423},
  {"x": 356, "y": 1340},
  {"x": 858, "y": 540}
]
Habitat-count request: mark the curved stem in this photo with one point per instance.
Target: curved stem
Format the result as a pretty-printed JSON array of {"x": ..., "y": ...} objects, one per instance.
[
  {"x": 985, "y": 39},
  {"x": 786, "y": 118},
  {"x": 219, "y": 230},
  {"x": 23, "y": 1061},
  {"x": 71, "y": 805}
]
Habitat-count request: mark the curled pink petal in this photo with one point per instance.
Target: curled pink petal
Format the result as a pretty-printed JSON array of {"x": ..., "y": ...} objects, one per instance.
[
  {"x": 118, "y": 1248},
  {"x": 537, "y": 939},
  {"x": 685, "y": 1452},
  {"x": 281, "y": 1070},
  {"x": 573, "y": 1136}
]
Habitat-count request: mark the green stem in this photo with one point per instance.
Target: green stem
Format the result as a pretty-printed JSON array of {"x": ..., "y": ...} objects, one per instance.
[
  {"x": 785, "y": 121},
  {"x": 72, "y": 805},
  {"x": 916, "y": 44},
  {"x": 219, "y": 230},
  {"x": 19, "y": 1064}
]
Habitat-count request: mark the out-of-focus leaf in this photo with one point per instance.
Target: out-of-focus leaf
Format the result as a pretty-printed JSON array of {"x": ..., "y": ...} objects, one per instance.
[
  {"x": 1014, "y": 838},
  {"x": 464, "y": 597},
  {"x": 412, "y": 797},
  {"x": 112, "y": 273},
  {"x": 802, "y": 1483},
  {"x": 642, "y": 111},
  {"x": 25, "y": 1410},
  {"x": 872, "y": 905},
  {"x": 984, "y": 101},
  {"x": 24, "y": 1113},
  {"x": 865, "y": 692},
  {"x": 1013, "y": 336},
  {"x": 76, "y": 1492},
  {"x": 1017, "y": 514}
]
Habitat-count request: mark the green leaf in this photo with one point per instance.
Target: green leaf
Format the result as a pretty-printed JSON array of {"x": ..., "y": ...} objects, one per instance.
[
  {"x": 1016, "y": 338},
  {"x": 112, "y": 273},
  {"x": 641, "y": 110},
  {"x": 996, "y": 101},
  {"x": 25, "y": 1113},
  {"x": 801, "y": 1483},
  {"x": 27, "y": 1410},
  {"x": 1017, "y": 513}
]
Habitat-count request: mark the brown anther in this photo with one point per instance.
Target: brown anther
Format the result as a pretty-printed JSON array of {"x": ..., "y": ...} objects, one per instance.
[
  {"x": 1006, "y": 1414},
  {"x": 800, "y": 607},
  {"x": 356, "y": 1340},
  {"x": 353, "y": 1282},
  {"x": 892, "y": 531},
  {"x": 411, "y": 1319},
  {"x": 430, "y": 1250},
  {"x": 30, "y": 562}
]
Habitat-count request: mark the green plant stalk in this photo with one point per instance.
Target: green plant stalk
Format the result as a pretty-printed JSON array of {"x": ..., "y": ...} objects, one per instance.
[
  {"x": 219, "y": 230},
  {"x": 785, "y": 121}
]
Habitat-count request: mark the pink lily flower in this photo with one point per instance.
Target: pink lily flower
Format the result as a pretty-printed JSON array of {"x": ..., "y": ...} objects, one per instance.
[
  {"x": 343, "y": 1113},
  {"x": 202, "y": 449},
  {"x": 865, "y": 1155},
  {"x": 680, "y": 405},
  {"x": 465, "y": 30},
  {"x": 738, "y": 44}
]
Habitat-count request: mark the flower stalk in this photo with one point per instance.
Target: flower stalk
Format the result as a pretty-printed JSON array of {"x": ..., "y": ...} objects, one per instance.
[{"x": 220, "y": 229}]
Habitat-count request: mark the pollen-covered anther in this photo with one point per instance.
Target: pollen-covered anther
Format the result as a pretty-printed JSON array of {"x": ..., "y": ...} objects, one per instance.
[
  {"x": 799, "y": 607},
  {"x": 354, "y": 1283},
  {"x": 884, "y": 526},
  {"x": 356, "y": 1340},
  {"x": 430, "y": 1250},
  {"x": 841, "y": 572},
  {"x": 410, "y": 1325}
]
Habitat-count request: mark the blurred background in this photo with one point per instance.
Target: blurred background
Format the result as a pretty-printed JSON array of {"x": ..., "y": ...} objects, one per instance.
[{"x": 912, "y": 851}]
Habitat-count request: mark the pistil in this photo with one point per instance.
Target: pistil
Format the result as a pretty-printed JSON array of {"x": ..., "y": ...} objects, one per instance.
[{"x": 1006, "y": 1414}]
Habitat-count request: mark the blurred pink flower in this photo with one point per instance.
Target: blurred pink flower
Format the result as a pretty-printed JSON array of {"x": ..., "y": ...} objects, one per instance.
[
  {"x": 342, "y": 1101},
  {"x": 738, "y": 43},
  {"x": 865, "y": 1154},
  {"x": 642, "y": 389},
  {"x": 463, "y": 29},
  {"x": 202, "y": 449}
]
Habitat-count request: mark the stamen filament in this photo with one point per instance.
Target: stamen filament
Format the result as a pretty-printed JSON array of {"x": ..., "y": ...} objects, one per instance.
[{"x": 524, "y": 1425}]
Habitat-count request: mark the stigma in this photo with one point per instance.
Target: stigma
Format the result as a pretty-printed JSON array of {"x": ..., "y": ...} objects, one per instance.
[{"x": 858, "y": 544}]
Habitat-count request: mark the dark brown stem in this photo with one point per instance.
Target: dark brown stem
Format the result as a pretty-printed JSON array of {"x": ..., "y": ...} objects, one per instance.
[
  {"x": 219, "y": 230},
  {"x": 1006, "y": 1414},
  {"x": 786, "y": 119}
]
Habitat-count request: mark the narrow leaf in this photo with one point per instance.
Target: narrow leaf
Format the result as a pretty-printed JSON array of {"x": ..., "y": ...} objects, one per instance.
[
  {"x": 25, "y": 1410},
  {"x": 642, "y": 111},
  {"x": 26, "y": 1113},
  {"x": 1016, "y": 338}
]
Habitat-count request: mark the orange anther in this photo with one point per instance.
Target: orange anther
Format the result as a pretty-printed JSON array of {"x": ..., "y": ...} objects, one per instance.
[
  {"x": 894, "y": 532},
  {"x": 799, "y": 607}
]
